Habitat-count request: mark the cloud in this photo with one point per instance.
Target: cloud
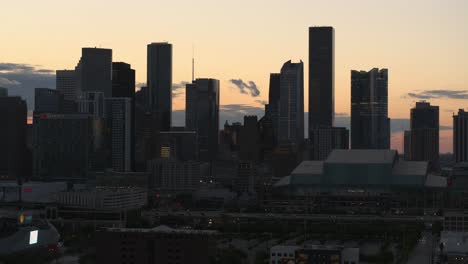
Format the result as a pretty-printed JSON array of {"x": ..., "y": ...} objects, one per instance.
[
  {"x": 177, "y": 88},
  {"x": 8, "y": 82},
  {"x": 22, "y": 79},
  {"x": 246, "y": 88},
  {"x": 435, "y": 94}
]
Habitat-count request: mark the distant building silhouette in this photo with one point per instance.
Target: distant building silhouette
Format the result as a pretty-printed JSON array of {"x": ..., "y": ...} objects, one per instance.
[
  {"x": 323, "y": 140},
  {"x": 272, "y": 108},
  {"x": 249, "y": 140},
  {"x": 321, "y": 76},
  {"x": 460, "y": 138},
  {"x": 13, "y": 119},
  {"x": 66, "y": 83},
  {"x": 291, "y": 106},
  {"x": 3, "y": 91},
  {"x": 94, "y": 71},
  {"x": 118, "y": 115},
  {"x": 159, "y": 81},
  {"x": 202, "y": 115},
  {"x": 178, "y": 145},
  {"x": 424, "y": 134},
  {"x": 123, "y": 86},
  {"x": 370, "y": 125}
]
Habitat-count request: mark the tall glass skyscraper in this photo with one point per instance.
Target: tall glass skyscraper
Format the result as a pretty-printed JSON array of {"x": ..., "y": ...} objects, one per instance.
[
  {"x": 370, "y": 125},
  {"x": 321, "y": 77},
  {"x": 159, "y": 81},
  {"x": 291, "y": 104}
]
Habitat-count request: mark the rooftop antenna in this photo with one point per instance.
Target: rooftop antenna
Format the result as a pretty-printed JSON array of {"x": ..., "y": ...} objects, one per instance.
[{"x": 193, "y": 63}]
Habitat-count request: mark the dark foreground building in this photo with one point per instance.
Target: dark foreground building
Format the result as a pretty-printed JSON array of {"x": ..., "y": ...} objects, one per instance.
[{"x": 161, "y": 245}]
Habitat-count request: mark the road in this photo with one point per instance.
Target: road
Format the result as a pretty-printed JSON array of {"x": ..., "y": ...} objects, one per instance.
[{"x": 217, "y": 214}]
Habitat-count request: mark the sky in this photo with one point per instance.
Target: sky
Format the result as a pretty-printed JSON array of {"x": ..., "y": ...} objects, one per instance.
[{"x": 423, "y": 43}]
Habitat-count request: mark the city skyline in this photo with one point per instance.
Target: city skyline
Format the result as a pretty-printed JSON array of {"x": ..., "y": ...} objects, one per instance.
[{"x": 403, "y": 47}]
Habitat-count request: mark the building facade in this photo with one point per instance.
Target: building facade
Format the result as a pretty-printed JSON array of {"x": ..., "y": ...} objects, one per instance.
[
  {"x": 202, "y": 115},
  {"x": 370, "y": 125},
  {"x": 66, "y": 84},
  {"x": 323, "y": 140},
  {"x": 291, "y": 106},
  {"x": 94, "y": 71},
  {"x": 460, "y": 136},
  {"x": 321, "y": 76},
  {"x": 159, "y": 81}
]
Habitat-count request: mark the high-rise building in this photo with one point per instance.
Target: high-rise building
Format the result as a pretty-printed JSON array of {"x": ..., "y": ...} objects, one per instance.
[
  {"x": 123, "y": 85},
  {"x": 202, "y": 115},
  {"x": 118, "y": 115},
  {"x": 66, "y": 83},
  {"x": 460, "y": 136},
  {"x": 94, "y": 71},
  {"x": 170, "y": 175},
  {"x": 159, "y": 81},
  {"x": 249, "y": 145},
  {"x": 48, "y": 101},
  {"x": 13, "y": 118},
  {"x": 291, "y": 106},
  {"x": 424, "y": 134},
  {"x": 91, "y": 103},
  {"x": 179, "y": 145},
  {"x": 62, "y": 146},
  {"x": 370, "y": 125},
  {"x": 321, "y": 77},
  {"x": 272, "y": 108},
  {"x": 324, "y": 140}
]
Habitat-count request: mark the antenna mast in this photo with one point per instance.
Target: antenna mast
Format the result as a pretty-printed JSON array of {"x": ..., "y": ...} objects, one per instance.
[{"x": 193, "y": 63}]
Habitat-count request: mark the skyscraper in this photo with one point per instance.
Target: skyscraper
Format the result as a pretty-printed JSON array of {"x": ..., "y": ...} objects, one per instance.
[
  {"x": 94, "y": 71},
  {"x": 202, "y": 115},
  {"x": 321, "y": 77},
  {"x": 424, "y": 134},
  {"x": 249, "y": 145},
  {"x": 291, "y": 105},
  {"x": 118, "y": 115},
  {"x": 159, "y": 81},
  {"x": 324, "y": 140},
  {"x": 123, "y": 86},
  {"x": 370, "y": 125},
  {"x": 13, "y": 117},
  {"x": 66, "y": 83},
  {"x": 460, "y": 136},
  {"x": 272, "y": 108}
]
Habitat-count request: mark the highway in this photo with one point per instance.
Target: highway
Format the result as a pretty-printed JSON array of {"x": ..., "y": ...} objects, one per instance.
[{"x": 311, "y": 217}]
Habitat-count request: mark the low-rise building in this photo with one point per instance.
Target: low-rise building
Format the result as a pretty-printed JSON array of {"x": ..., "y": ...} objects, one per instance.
[{"x": 162, "y": 245}]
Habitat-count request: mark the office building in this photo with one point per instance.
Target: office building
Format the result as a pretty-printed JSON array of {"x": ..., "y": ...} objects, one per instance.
[
  {"x": 321, "y": 77},
  {"x": 202, "y": 115},
  {"x": 123, "y": 80},
  {"x": 159, "y": 81},
  {"x": 291, "y": 106},
  {"x": 179, "y": 145},
  {"x": 162, "y": 245},
  {"x": 66, "y": 84},
  {"x": 249, "y": 144},
  {"x": 323, "y": 140},
  {"x": 246, "y": 177},
  {"x": 103, "y": 198},
  {"x": 62, "y": 146},
  {"x": 94, "y": 71},
  {"x": 170, "y": 175},
  {"x": 460, "y": 136},
  {"x": 91, "y": 103},
  {"x": 272, "y": 108},
  {"x": 13, "y": 118},
  {"x": 48, "y": 101},
  {"x": 370, "y": 125},
  {"x": 118, "y": 115},
  {"x": 424, "y": 134}
]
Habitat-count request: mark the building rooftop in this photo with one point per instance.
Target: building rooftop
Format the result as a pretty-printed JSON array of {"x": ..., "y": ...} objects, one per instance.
[
  {"x": 456, "y": 243},
  {"x": 309, "y": 167},
  {"x": 362, "y": 156}
]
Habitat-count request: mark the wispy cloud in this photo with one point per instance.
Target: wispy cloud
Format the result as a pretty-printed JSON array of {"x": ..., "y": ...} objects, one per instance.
[
  {"x": 435, "y": 94},
  {"x": 246, "y": 87},
  {"x": 177, "y": 88}
]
